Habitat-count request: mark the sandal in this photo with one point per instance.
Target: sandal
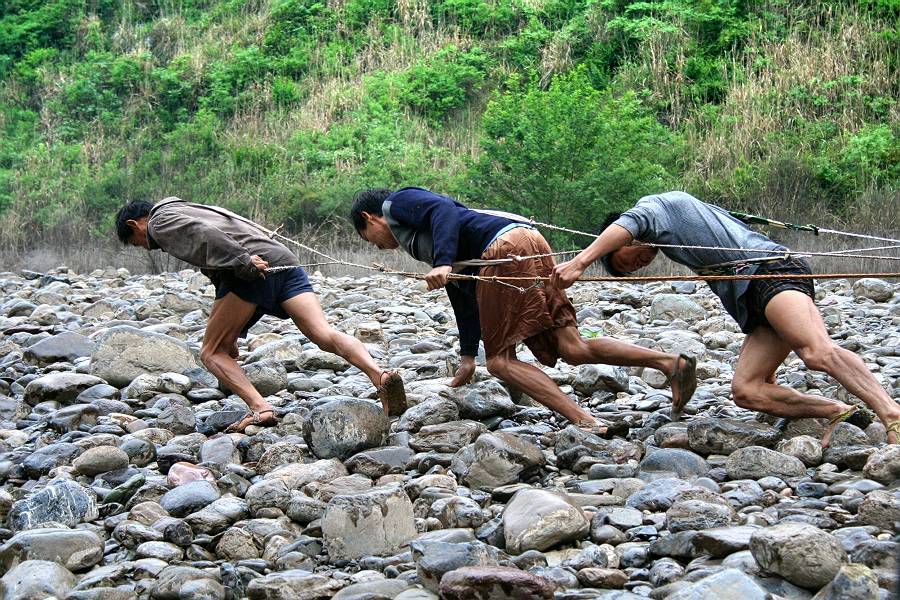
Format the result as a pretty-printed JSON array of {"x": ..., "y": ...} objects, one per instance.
[
  {"x": 253, "y": 417},
  {"x": 603, "y": 429},
  {"x": 684, "y": 375},
  {"x": 857, "y": 415},
  {"x": 392, "y": 394},
  {"x": 893, "y": 427}
]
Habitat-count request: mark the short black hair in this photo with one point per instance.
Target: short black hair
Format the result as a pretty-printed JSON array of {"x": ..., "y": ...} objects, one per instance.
[
  {"x": 134, "y": 210},
  {"x": 369, "y": 201},
  {"x": 605, "y": 260}
]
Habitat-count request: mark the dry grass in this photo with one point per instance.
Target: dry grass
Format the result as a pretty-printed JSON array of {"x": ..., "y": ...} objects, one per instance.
[{"x": 841, "y": 64}]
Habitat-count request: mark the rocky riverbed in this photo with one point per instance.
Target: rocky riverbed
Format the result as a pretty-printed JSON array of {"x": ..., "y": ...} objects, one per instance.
[{"x": 117, "y": 482}]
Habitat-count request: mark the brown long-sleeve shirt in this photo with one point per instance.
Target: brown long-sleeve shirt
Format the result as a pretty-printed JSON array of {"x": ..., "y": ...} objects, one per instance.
[{"x": 213, "y": 239}]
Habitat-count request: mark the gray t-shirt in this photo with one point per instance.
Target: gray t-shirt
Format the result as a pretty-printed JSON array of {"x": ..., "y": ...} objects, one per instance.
[{"x": 679, "y": 219}]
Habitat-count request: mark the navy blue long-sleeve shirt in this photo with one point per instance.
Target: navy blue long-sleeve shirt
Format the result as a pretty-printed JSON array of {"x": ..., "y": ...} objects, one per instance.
[{"x": 459, "y": 234}]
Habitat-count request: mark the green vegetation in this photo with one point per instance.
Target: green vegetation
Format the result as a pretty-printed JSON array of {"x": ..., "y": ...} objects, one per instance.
[{"x": 561, "y": 109}]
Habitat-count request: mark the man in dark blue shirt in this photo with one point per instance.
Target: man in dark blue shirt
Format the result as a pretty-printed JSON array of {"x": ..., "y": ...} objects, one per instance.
[{"x": 452, "y": 238}]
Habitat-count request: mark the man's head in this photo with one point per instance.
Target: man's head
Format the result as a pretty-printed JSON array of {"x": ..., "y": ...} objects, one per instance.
[
  {"x": 131, "y": 223},
  {"x": 368, "y": 218},
  {"x": 627, "y": 259}
]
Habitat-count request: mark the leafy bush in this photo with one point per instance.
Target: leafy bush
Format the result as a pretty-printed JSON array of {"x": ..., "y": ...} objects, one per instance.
[
  {"x": 290, "y": 22},
  {"x": 571, "y": 153},
  {"x": 436, "y": 86},
  {"x": 228, "y": 78}
]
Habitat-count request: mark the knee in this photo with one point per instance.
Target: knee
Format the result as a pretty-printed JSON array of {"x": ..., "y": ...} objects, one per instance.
[
  {"x": 823, "y": 357},
  {"x": 497, "y": 366}
]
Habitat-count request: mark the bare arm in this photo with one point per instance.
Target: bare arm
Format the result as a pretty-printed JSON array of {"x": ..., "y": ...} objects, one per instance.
[{"x": 612, "y": 238}]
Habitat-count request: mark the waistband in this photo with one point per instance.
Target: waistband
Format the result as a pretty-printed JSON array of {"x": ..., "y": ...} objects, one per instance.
[{"x": 504, "y": 231}]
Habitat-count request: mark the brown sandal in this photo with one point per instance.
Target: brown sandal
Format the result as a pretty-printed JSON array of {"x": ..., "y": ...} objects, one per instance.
[
  {"x": 392, "y": 393},
  {"x": 252, "y": 417},
  {"x": 856, "y": 415},
  {"x": 684, "y": 375},
  {"x": 893, "y": 427}
]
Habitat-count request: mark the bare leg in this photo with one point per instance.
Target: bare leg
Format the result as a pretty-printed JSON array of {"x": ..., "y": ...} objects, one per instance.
[
  {"x": 227, "y": 318},
  {"x": 537, "y": 384},
  {"x": 577, "y": 350},
  {"x": 797, "y": 321},
  {"x": 763, "y": 351},
  {"x": 306, "y": 312}
]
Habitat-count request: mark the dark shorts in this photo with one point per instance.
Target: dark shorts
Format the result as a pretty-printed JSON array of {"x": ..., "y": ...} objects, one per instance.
[
  {"x": 761, "y": 291},
  {"x": 267, "y": 294}
]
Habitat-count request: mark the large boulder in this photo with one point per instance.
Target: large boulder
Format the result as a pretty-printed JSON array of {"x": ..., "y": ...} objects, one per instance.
[
  {"x": 124, "y": 352},
  {"x": 673, "y": 462},
  {"x": 538, "y": 519},
  {"x": 884, "y": 465},
  {"x": 375, "y": 522},
  {"x": 345, "y": 426},
  {"x": 878, "y": 290},
  {"x": 65, "y": 346},
  {"x": 36, "y": 580},
  {"x": 58, "y": 387},
  {"x": 723, "y": 436},
  {"x": 496, "y": 459},
  {"x": 800, "y": 553},
  {"x": 597, "y": 378},
  {"x": 756, "y": 462},
  {"x": 483, "y": 401},
  {"x": 189, "y": 497},
  {"x": 496, "y": 583},
  {"x": 292, "y": 585},
  {"x": 729, "y": 583},
  {"x": 434, "y": 558},
  {"x": 668, "y": 307},
  {"x": 881, "y": 508},
  {"x": 62, "y": 501},
  {"x": 75, "y": 549}
]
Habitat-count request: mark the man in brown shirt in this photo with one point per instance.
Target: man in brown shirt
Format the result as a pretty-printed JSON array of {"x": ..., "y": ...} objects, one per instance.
[{"x": 234, "y": 253}]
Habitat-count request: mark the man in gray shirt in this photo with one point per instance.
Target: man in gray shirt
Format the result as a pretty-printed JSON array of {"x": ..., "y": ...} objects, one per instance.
[
  {"x": 235, "y": 253},
  {"x": 778, "y": 315}
]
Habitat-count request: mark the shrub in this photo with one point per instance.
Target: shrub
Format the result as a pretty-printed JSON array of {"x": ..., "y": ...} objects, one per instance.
[
  {"x": 437, "y": 85},
  {"x": 571, "y": 153},
  {"x": 228, "y": 78}
]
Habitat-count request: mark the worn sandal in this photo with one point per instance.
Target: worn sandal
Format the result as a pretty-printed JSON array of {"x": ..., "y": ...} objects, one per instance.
[
  {"x": 392, "y": 394},
  {"x": 857, "y": 415},
  {"x": 893, "y": 427},
  {"x": 253, "y": 417},
  {"x": 684, "y": 375}
]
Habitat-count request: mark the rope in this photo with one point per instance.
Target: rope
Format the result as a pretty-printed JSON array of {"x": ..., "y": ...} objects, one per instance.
[
  {"x": 648, "y": 278},
  {"x": 538, "y": 281}
]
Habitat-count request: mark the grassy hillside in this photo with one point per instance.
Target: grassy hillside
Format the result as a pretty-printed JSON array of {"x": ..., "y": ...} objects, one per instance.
[{"x": 560, "y": 109}]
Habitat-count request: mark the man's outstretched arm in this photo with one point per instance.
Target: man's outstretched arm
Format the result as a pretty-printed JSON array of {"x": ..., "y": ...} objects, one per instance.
[{"x": 612, "y": 238}]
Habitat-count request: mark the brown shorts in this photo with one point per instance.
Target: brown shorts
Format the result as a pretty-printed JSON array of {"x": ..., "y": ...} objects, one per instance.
[{"x": 509, "y": 316}]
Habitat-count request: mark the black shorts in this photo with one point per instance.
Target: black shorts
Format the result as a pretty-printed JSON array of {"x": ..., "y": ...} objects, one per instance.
[
  {"x": 761, "y": 291},
  {"x": 267, "y": 294}
]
